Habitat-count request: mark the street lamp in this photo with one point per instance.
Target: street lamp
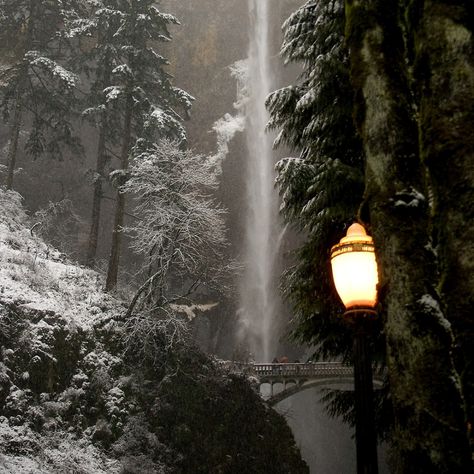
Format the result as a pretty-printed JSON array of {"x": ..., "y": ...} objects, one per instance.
[{"x": 355, "y": 276}]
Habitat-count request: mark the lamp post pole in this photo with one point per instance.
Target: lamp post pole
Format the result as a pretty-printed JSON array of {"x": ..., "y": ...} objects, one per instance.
[
  {"x": 366, "y": 440},
  {"x": 355, "y": 276}
]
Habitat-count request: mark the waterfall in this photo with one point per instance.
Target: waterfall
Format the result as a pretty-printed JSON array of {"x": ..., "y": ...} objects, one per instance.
[{"x": 260, "y": 303}]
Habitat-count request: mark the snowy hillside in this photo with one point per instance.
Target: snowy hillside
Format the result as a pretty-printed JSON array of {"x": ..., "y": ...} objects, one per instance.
[
  {"x": 43, "y": 299},
  {"x": 36, "y": 276},
  {"x": 75, "y": 399}
]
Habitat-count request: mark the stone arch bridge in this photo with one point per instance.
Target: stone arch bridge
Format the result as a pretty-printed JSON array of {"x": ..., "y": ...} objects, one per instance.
[{"x": 296, "y": 377}]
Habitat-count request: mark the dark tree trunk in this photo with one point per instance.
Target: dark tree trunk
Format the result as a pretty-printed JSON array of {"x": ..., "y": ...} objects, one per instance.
[
  {"x": 114, "y": 259},
  {"x": 445, "y": 73},
  {"x": 17, "y": 115},
  {"x": 429, "y": 432},
  {"x": 20, "y": 90},
  {"x": 97, "y": 198},
  {"x": 13, "y": 145},
  {"x": 99, "y": 178}
]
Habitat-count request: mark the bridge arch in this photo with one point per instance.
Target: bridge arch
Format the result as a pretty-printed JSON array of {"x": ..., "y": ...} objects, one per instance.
[
  {"x": 294, "y": 389},
  {"x": 297, "y": 377}
]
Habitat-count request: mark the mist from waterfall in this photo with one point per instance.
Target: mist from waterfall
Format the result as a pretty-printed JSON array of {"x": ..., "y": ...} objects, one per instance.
[{"x": 260, "y": 301}]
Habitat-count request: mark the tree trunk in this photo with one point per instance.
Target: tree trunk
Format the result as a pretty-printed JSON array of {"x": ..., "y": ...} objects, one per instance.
[
  {"x": 97, "y": 198},
  {"x": 16, "y": 124},
  {"x": 100, "y": 167},
  {"x": 114, "y": 259},
  {"x": 445, "y": 70},
  {"x": 13, "y": 145},
  {"x": 429, "y": 432}
]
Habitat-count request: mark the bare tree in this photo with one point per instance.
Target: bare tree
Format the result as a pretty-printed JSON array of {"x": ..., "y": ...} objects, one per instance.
[
  {"x": 180, "y": 228},
  {"x": 152, "y": 335}
]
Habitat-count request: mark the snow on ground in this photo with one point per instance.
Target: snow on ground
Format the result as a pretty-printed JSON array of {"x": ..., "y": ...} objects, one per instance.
[
  {"x": 58, "y": 454},
  {"x": 20, "y": 465},
  {"x": 37, "y": 276}
]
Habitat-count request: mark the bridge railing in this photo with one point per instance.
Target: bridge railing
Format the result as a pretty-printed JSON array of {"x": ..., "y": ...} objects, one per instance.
[
  {"x": 295, "y": 369},
  {"x": 299, "y": 369}
]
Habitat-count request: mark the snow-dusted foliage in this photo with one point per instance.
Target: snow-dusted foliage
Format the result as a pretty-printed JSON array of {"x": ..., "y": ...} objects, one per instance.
[
  {"x": 294, "y": 170},
  {"x": 162, "y": 124},
  {"x": 47, "y": 66},
  {"x": 37, "y": 276},
  {"x": 314, "y": 117},
  {"x": 322, "y": 188},
  {"x": 132, "y": 96},
  {"x": 314, "y": 37},
  {"x": 180, "y": 228},
  {"x": 71, "y": 399},
  {"x": 173, "y": 189},
  {"x": 36, "y": 89},
  {"x": 49, "y": 359},
  {"x": 58, "y": 224},
  {"x": 128, "y": 63}
]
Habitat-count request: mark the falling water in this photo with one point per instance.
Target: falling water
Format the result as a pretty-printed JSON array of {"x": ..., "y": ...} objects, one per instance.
[{"x": 259, "y": 295}]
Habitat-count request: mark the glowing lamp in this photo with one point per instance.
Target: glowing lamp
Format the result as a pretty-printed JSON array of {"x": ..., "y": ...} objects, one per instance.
[{"x": 354, "y": 269}]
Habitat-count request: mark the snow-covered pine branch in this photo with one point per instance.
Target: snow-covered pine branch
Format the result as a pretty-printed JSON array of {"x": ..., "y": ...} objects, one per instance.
[{"x": 37, "y": 95}]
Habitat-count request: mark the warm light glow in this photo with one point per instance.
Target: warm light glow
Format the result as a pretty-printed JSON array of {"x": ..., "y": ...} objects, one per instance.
[{"x": 354, "y": 268}]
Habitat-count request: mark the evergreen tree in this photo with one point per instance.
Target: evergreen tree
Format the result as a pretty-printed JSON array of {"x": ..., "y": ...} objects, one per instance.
[
  {"x": 97, "y": 25},
  {"x": 130, "y": 85},
  {"x": 36, "y": 91},
  {"x": 144, "y": 92},
  {"x": 322, "y": 188},
  {"x": 401, "y": 63}
]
